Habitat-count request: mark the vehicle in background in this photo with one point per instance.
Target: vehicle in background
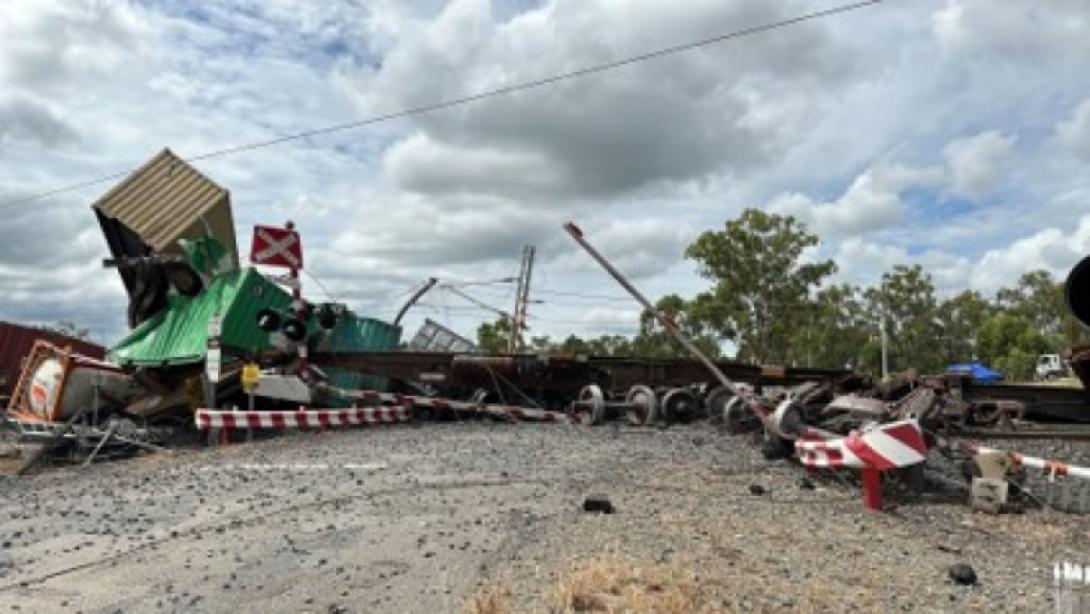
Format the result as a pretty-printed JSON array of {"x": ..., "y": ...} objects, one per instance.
[
  {"x": 980, "y": 373},
  {"x": 1051, "y": 366}
]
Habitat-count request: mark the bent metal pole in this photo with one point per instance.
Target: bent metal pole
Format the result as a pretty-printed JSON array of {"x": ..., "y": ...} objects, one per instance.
[{"x": 667, "y": 323}]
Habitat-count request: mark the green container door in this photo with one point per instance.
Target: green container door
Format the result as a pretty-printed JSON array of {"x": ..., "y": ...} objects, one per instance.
[{"x": 178, "y": 335}]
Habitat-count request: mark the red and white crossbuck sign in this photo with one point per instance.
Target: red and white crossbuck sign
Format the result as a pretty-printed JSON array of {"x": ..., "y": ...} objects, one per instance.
[{"x": 276, "y": 247}]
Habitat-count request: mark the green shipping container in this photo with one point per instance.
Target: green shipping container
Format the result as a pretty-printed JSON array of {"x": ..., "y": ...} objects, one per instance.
[
  {"x": 359, "y": 334},
  {"x": 178, "y": 335}
]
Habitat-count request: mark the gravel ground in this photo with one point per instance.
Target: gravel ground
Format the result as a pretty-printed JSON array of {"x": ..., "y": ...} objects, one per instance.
[{"x": 415, "y": 518}]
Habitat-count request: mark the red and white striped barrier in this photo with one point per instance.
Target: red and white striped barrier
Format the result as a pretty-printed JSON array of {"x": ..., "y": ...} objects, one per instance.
[
  {"x": 504, "y": 412},
  {"x": 880, "y": 448},
  {"x": 1050, "y": 468},
  {"x": 313, "y": 418},
  {"x": 886, "y": 446}
]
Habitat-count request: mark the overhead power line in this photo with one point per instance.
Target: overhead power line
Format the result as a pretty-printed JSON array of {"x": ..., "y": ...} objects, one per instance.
[
  {"x": 491, "y": 93},
  {"x": 476, "y": 302},
  {"x": 478, "y": 282},
  {"x": 596, "y": 297}
]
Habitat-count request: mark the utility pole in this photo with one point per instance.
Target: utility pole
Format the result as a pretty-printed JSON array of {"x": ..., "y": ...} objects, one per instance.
[
  {"x": 522, "y": 300},
  {"x": 885, "y": 342}
]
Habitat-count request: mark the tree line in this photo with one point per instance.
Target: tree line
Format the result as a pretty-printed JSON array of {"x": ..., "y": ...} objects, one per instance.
[{"x": 775, "y": 305}]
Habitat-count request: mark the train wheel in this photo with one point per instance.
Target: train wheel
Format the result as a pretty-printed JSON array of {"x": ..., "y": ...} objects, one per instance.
[
  {"x": 715, "y": 404},
  {"x": 679, "y": 405},
  {"x": 592, "y": 394},
  {"x": 787, "y": 420},
  {"x": 647, "y": 406},
  {"x": 737, "y": 418}
]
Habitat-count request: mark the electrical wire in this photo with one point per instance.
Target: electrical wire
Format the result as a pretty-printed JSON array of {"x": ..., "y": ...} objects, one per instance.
[
  {"x": 468, "y": 310},
  {"x": 478, "y": 282},
  {"x": 479, "y": 303},
  {"x": 492, "y": 93},
  {"x": 463, "y": 308},
  {"x": 813, "y": 306},
  {"x": 597, "y": 297},
  {"x": 321, "y": 286}
]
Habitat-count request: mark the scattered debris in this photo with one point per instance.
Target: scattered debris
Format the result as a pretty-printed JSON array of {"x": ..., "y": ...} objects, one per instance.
[
  {"x": 963, "y": 574},
  {"x": 872, "y": 429},
  {"x": 757, "y": 490},
  {"x": 598, "y": 503}
]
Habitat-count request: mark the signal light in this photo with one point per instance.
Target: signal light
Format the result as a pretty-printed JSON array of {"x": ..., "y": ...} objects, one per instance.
[
  {"x": 268, "y": 320},
  {"x": 294, "y": 329}
]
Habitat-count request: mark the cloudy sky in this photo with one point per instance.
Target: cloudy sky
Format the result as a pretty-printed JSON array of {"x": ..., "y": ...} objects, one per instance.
[{"x": 953, "y": 133}]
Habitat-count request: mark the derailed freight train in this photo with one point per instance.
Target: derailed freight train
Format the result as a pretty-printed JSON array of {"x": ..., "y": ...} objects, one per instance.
[{"x": 196, "y": 316}]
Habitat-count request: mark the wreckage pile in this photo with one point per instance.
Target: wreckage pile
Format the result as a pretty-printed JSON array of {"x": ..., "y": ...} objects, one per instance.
[{"x": 223, "y": 350}]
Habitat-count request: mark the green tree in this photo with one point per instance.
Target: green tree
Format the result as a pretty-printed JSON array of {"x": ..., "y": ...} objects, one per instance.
[
  {"x": 905, "y": 301},
  {"x": 760, "y": 279},
  {"x": 654, "y": 341},
  {"x": 611, "y": 345},
  {"x": 493, "y": 337},
  {"x": 542, "y": 344},
  {"x": 605, "y": 345},
  {"x": 961, "y": 317},
  {"x": 1010, "y": 342},
  {"x": 1040, "y": 299},
  {"x": 69, "y": 329},
  {"x": 1037, "y": 299},
  {"x": 834, "y": 330}
]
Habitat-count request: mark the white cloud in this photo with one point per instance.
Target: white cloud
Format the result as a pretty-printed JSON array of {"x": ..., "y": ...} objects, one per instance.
[
  {"x": 872, "y": 202},
  {"x": 421, "y": 164},
  {"x": 1073, "y": 133},
  {"x": 639, "y": 247},
  {"x": 976, "y": 162},
  {"x": 1051, "y": 249},
  {"x": 671, "y": 120},
  {"x": 1019, "y": 30},
  {"x": 861, "y": 262},
  {"x": 610, "y": 320}
]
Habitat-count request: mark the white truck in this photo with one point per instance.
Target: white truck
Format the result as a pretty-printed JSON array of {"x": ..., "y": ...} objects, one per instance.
[{"x": 1050, "y": 366}]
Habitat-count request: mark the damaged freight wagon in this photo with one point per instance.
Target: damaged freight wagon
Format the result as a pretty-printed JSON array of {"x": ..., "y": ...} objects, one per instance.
[{"x": 170, "y": 232}]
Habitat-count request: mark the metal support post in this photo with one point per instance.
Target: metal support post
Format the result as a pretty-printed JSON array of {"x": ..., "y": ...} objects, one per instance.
[{"x": 758, "y": 410}]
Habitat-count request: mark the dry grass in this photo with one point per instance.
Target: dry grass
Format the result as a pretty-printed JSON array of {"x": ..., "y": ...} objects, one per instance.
[
  {"x": 621, "y": 584},
  {"x": 491, "y": 599}
]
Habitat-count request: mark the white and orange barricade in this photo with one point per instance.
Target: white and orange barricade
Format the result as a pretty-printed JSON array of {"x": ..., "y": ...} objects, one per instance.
[{"x": 1048, "y": 468}]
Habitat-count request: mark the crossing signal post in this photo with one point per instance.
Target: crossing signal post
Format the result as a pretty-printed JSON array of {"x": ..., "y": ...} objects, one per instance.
[{"x": 282, "y": 247}]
